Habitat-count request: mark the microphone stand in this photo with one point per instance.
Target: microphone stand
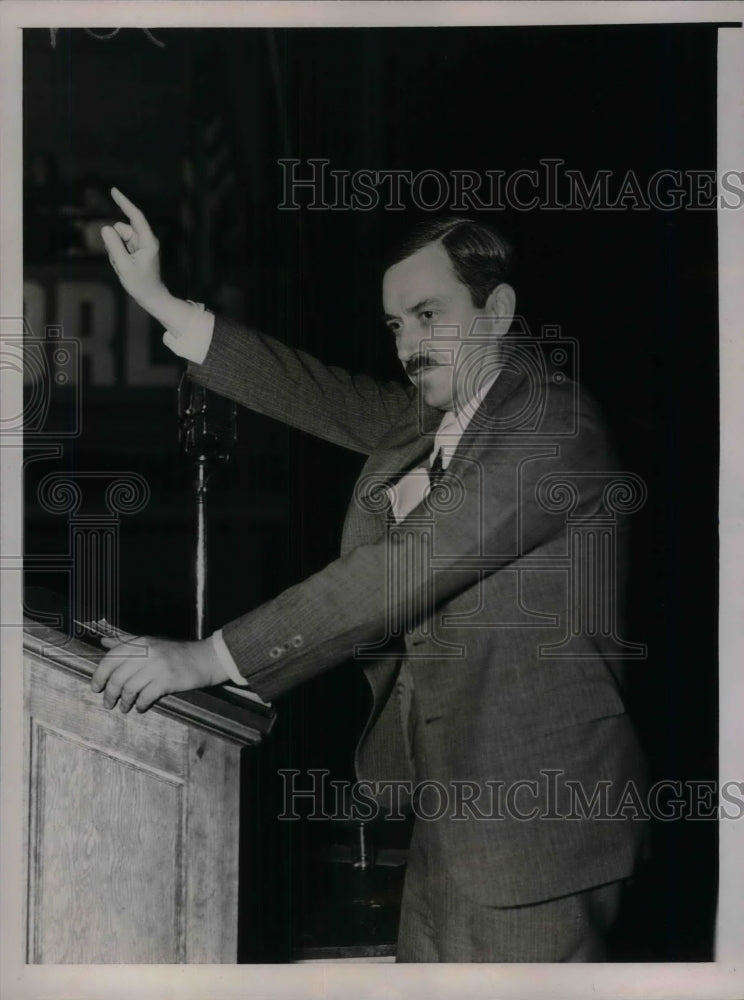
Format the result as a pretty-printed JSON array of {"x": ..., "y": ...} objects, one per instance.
[{"x": 207, "y": 435}]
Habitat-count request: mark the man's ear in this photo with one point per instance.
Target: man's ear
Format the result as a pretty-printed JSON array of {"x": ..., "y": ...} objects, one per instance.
[{"x": 501, "y": 304}]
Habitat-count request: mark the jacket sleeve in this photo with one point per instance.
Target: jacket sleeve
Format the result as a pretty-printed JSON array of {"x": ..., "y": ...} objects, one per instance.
[
  {"x": 259, "y": 372},
  {"x": 491, "y": 516}
]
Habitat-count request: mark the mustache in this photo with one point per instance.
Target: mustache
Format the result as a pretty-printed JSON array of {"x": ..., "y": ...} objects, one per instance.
[{"x": 418, "y": 361}]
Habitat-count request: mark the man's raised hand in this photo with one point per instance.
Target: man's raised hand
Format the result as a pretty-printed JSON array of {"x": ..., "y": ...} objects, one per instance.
[{"x": 134, "y": 253}]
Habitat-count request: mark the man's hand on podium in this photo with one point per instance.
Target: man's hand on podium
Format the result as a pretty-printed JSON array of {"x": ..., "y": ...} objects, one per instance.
[{"x": 137, "y": 674}]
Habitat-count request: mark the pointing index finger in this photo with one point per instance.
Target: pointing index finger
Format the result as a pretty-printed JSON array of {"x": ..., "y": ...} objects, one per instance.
[{"x": 139, "y": 223}]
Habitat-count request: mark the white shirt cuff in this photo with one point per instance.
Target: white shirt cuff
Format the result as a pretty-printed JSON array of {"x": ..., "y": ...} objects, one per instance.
[
  {"x": 224, "y": 656},
  {"x": 192, "y": 338},
  {"x": 234, "y": 676}
]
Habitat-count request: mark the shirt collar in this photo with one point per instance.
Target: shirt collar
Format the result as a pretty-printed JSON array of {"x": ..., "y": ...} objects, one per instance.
[{"x": 454, "y": 424}]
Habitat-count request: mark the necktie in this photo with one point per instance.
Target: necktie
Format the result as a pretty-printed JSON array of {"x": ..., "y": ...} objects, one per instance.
[{"x": 436, "y": 469}]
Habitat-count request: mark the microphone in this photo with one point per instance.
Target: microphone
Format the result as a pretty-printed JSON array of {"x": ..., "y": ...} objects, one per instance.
[
  {"x": 207, "y": 423},
  {"x": 207, "y": 431}
]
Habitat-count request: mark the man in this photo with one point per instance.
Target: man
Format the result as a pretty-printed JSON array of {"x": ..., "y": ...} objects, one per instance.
[{"x": 451, "y": 590}]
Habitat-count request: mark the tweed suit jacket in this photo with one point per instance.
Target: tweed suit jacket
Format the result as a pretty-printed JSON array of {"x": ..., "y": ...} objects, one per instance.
[{"x": 472, "y": 588}]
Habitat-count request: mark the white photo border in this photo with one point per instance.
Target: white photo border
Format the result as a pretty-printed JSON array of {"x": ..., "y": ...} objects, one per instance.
[{"x": 722, "y": 978}]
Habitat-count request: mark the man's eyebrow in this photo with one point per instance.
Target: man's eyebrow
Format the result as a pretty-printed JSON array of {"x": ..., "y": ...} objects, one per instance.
[
  {"x": 431, "y": 301},
  {"x": 415, "y": 308}
]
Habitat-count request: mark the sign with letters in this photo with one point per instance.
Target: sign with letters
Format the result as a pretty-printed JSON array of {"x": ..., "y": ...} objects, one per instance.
[{"x": 117, "y": 342}]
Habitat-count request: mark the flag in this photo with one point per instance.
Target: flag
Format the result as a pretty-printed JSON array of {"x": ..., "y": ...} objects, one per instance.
[{"x": 209, "y": 216}]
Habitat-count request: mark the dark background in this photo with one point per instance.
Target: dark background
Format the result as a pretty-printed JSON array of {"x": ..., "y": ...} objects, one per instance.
[{"x": 637, "y": 289}]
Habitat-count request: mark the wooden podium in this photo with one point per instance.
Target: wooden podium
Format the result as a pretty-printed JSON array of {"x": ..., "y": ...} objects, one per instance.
[{"x": 131, "y": 820}]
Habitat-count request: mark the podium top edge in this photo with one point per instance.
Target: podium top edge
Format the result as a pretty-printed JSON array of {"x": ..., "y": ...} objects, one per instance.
[{"x": 208, "y": 709}]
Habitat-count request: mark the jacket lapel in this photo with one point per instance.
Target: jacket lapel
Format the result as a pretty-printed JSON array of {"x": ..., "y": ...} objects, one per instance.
[
  {"x": 407, "y": 446},
  {"x": 495, "y": 416}
]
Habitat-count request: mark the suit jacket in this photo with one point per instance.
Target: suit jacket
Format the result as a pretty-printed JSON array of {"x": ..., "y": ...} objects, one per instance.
[{"x": 470, "y": 588}]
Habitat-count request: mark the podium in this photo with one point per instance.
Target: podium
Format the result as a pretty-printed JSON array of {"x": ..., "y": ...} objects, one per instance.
[{"x": 132, "y": 820}]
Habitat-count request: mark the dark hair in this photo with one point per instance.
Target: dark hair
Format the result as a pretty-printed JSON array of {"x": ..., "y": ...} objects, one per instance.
[{"x": 481, "y": 257}]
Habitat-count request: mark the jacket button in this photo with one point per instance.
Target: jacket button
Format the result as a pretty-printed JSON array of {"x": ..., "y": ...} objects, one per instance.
[
  {"x": 286, "y": 647},
  {"x": 297, "y": 641},
  {"x": 276, "y": 651}
]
